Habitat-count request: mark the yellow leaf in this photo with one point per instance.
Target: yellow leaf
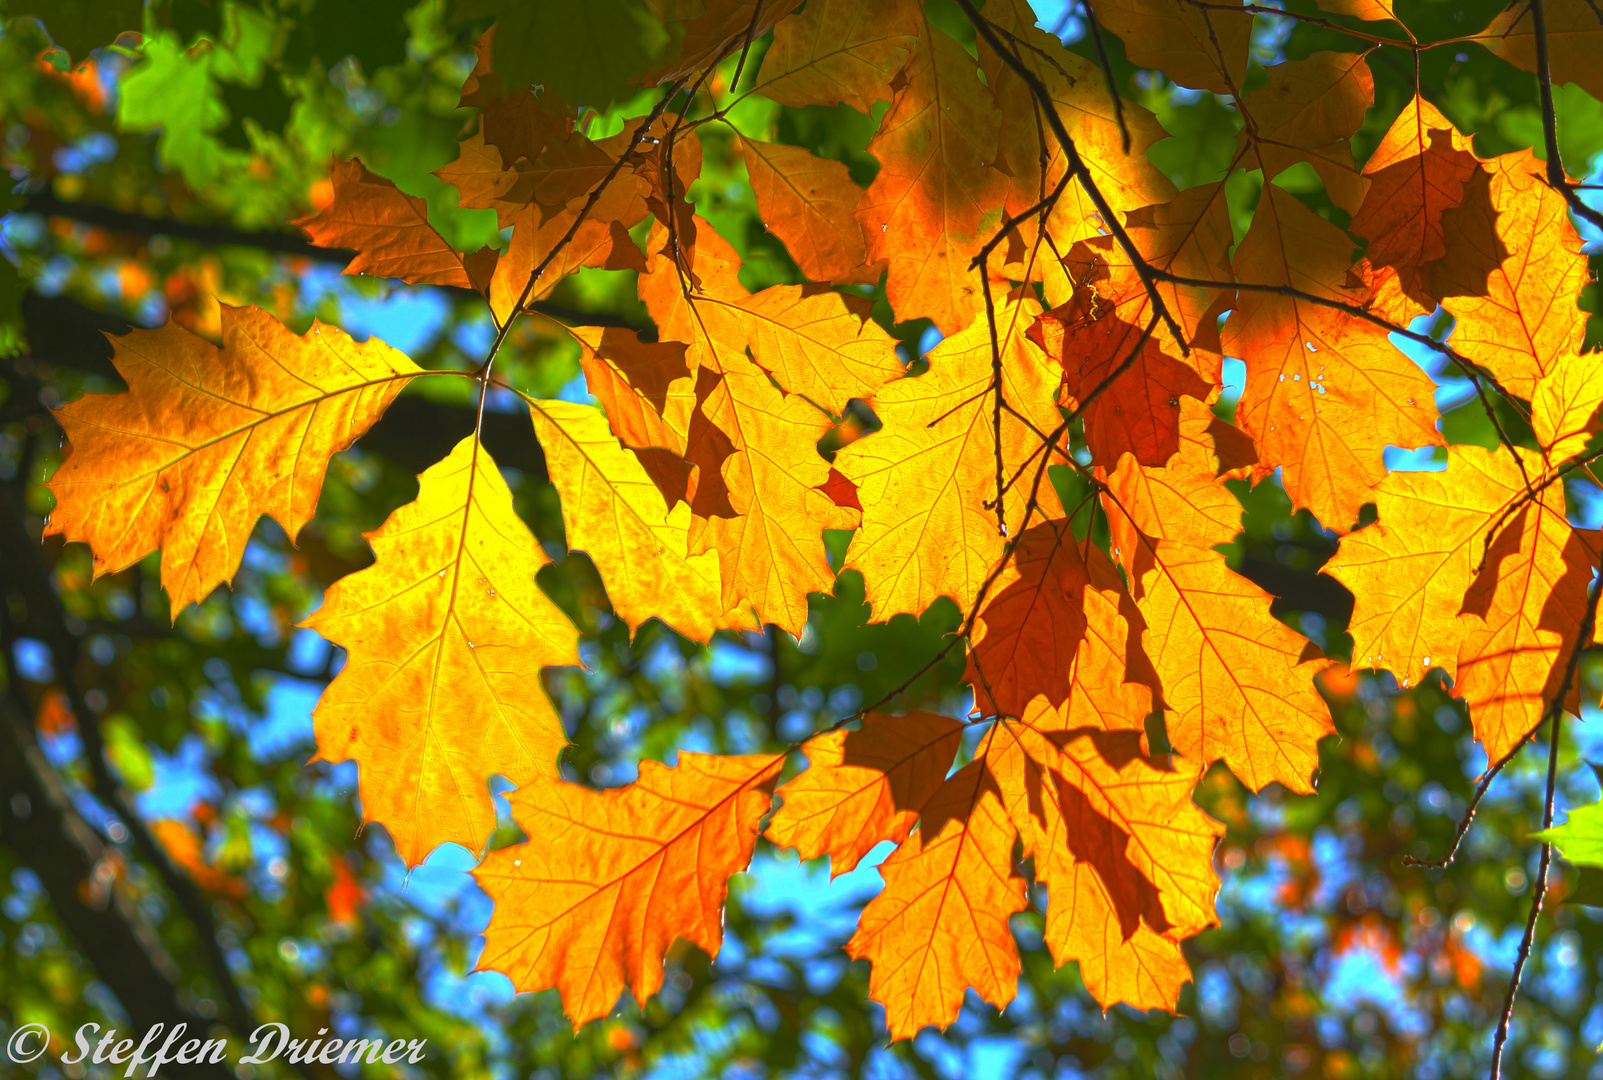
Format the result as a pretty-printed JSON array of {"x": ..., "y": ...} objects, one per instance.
[
  {"x": 208, "y": 439},
  {"x": 610, "y": 879},
  {"x": 615, "y": 514},
  {"x": 446, "y": 634}
]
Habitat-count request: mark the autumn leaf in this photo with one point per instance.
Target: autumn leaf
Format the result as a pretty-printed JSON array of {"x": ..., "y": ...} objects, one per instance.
[
  {"x": 839, "y": 51},
  {"x": 1179, "y": 39},
  {"x": 939, "y": 190},
  {"x": 1416, "y": 174},
  {"x": 446, "y": 634},
  {"x": 613, "y": 877},
  {"x": 808, "y": 202},
  {"x": 1125, "y": 179},
  {"x": 1466, "y": 572},
  {"x": 207, "y": 439},
  {"x": 863, "y": 787},
  {"x": 1575, "y": 34},
  {"x": 1093, "y": 335},
  {"x": 1523, "y": 322},
  {"x": 941, "y": 924},
  {"x": 1305, "y": 114},
  {"x": 1564, "y": 409},
  {"x": 1235, "y": 679},
  {"x": 390, "y": 233},
  {"x": 1522, "y": 617},
  {"x": 615, "y": 514},
  {"x": 1051, "y": 629},
  {"x": 772, "y": 550},
  {"x": 925, "y": 480}
]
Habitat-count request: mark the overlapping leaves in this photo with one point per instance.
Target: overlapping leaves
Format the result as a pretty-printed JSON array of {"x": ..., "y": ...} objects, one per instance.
[{"x": 1081, "y": 296}]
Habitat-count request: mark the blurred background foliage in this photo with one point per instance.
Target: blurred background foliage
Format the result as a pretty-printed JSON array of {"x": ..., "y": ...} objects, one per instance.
[{"x": 151, "y": 176}]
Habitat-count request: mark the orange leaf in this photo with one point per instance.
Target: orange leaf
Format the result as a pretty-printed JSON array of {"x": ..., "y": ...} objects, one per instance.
[
  {"x": 939, "y": 191},
  {"x": 390, "y": 233},
  {"x": 1522, "y": 616},
  {"x": 772, "y": 550},
  {"x": 924, "y": 480},
  {"x": 864, "y": 787},
  {"x": 615, "y": 513},
  {"x": 1575, "y": 41},
  {"x": 1306, "y": 113},
  {"x": 1324, "y": 401},
  {"x": 941, "y": 923},
  {"x": 208, "y": 439},
  {"x": 591, "y": 905},
  {"x": 1409, "y": 571},
  {"x": 1051, "y": 627},
  {"x": 447, "y": 632},
  {"x": 1417, "y": 174},
  {"x": 1093, "y": 335},
  {"x": 1179, "y": 39},
  {"x": 1525, "y": 320},
  {"x": 839, "y": 51},
  {"x": 808, "y": 202}
]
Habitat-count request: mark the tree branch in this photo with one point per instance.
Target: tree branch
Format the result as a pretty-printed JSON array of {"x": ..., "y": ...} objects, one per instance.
[
  {"x": 39, "y": 823},
  {"x": 1556, "y": 177}
]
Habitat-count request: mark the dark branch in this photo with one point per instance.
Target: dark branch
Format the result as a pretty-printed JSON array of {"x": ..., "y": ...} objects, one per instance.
[{"x": 1556, "y": 178}]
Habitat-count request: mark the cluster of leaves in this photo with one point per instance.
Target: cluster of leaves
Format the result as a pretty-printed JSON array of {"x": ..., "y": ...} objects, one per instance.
[{"x": 1059, "y": 466}]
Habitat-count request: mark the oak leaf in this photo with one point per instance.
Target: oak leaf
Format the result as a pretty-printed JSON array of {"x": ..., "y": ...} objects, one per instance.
[
  {"x": 1179, "y": 39},
  {"x": 864, "y": 787},
  {"x": 938, "y": 190},
  {"x": 1416, "y": 174},
  {"x": 1525, "y": 321},
  {"x": 809, "y": 203},
  {"x": 839, "y": 51},
  {"x": 390, "y": 232},
  {"x": 207, "y": 439},
  {"x": 446, "y": 634},
  {"x": 1051, "y": 628},
  {"x": 1093, "y": 335},
  {"x": 616, "y": 514},
  {"x": 612, "y": 878},
  {"x": 1575, "y": 40},
  {"x": 941, "y": 923},
  {"x": 926, "y": 478}
]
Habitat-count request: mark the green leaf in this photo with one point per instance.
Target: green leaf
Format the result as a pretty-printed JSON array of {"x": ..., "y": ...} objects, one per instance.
[
  {"x": 126, "y": 751},
  {"x": 1580, "y": 838},
  {"x": 588, "y": 53}
]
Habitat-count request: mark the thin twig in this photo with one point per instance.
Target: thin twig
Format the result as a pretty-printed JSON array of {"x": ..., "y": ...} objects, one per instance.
[
  {"x": 1556, "y": 178},
  {"x": 1469, "y": 814},
  {"x": 751, "y": 32},
  {"x": 1077, "y": 166},
  {"x": 1107, "y": 71}
]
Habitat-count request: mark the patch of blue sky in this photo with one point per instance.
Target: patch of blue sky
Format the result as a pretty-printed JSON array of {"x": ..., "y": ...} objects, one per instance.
[
  {"x": 1420, "y": 459},
  {"x": 1360, "y": 976},
  {"x": 286, "y": 727},
  {"x": 32, "y": 659},
  {"x": 307, "y": 653},
  {"x": 408, "y": 318},
  {"x": 577, "y": 390},
  {"x": 1588, "y": 734},
  {"x": 1335, "y": 867},
  {"x": 473, "y": 333},
  {"x": 1061, "y": 17},
  {"x": 826, "y": 908},
  {"x": 1585, "y": 504},
  {"x": 1233, "y": 377},
  {"x": 730, "y": 664},
  {"x": 181, "y": 780}
]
